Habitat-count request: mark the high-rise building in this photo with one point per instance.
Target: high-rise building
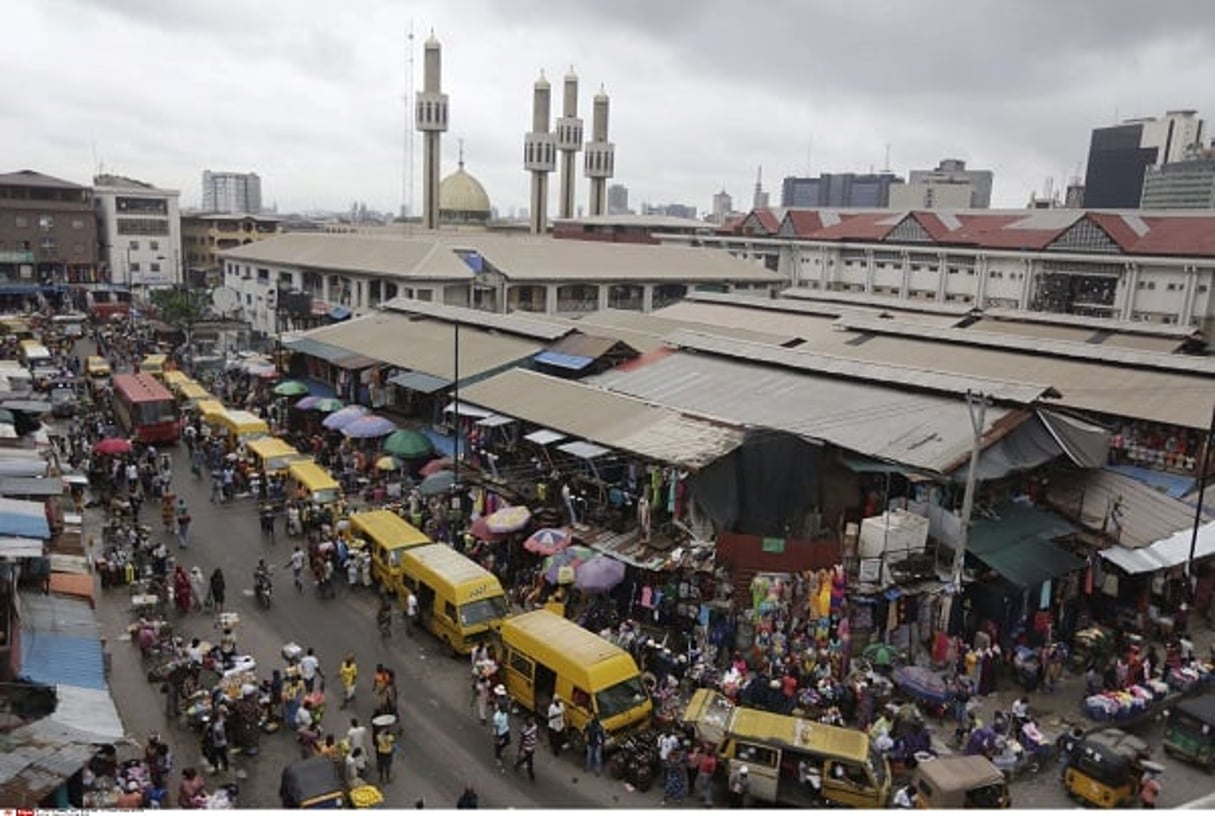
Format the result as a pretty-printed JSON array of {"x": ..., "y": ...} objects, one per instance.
[
  {"x": 139, "y": 231},
  {"x": 673, "y": 210},
  {"x": 1182, "y": 185},
  {"x": 48, "y": 230},
  {"x": 950, "y": 185},
  {"x": 618, "y": 200},
  {"x": 870, "y": 190},
  {"x": 236, "y": 193},
  {"x": 1119, "y": 156},
  {"x": 723, "y": 206},
  {"x": 759, "y": 199}
]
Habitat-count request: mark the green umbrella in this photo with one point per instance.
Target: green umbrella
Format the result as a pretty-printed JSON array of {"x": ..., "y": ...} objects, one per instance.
[
  {"x": 408, "y": 444},
  {"x": 327, "y": 405},
  {"x": 881, "y": 654},
  {"x": 291, "y": 388}
]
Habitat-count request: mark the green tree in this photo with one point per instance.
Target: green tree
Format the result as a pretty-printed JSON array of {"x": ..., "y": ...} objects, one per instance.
[{"x": 177, "y": 306}]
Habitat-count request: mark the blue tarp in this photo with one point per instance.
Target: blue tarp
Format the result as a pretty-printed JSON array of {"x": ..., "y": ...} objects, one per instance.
[
  {"x": 23, "y": 518},
  {"x": 1170, "y": 484},
  {"x": 339, "y": 313},
  {"x": 444, "y": 445},
  {"x": 573, "y": 362},
  {"x": 60, "y": 642}
]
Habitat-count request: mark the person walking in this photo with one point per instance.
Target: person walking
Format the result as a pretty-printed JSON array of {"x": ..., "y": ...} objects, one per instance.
[
  {"x": 704, "y": 775},
  {"x": 595, "y": 737},
  {"x": 739, "y": 786},
  {"x": 1149, "y": 791},
  {"x": 675, "y": 783},
  {"x": 556, "y": 725},
  {"x": 215, "y": 748},
  {"x": 411, "y": 613},
  {"x": 217, "y": 591},
  {"x": 183, "y": 524},
  {"x": 529, "y": 736},
  {"x": 468, "y": 799},
  {"x": 356, "y": 735},
  {"x": 385, "y": 744},
  {"x": 501, "y": 735},
  {"x": 349, "y": 673},
  {"x": 310, "y": 668},
  {"x": 297, "y": 561}
]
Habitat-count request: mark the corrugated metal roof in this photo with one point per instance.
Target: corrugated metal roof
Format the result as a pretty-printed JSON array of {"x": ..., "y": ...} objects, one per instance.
[
  {"x": 1124, "y": 326},
  {"x": 314, "y": 348},
  {"x": 417, "y": 381},
  {"x": 571, "y": 362},
  {"x": 1145, "y": 515},
  {"x": 918, "y": 377},
  {"x": 1078, "y": 334},
  {"x": 24, "y": 518},
  {"x": 15, "y": 486},
  {"x": 1169, "y": 552},
  {"x": 875, "y": 301},
  {"x": 1161, "y": 396},
  {"x": 37, "y": 758},
  {"x": 609, "y": 419},
  {"x": 420, "y": 258},
  {"x": 1032, "y": 345},
  {"x": 425, "y": 345},
  {"x": 60, "y": 642},
  {"x": 16, "y": 547},
  {"x": 90, "y": 710},
  {"x": 536, "y": 328},
  {"x": 922, "y": 431},
  {"x": 645, "y": 331}
]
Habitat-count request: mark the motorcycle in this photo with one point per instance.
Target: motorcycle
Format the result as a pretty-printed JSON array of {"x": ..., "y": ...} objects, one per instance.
[{"x": 263, "y": 590}]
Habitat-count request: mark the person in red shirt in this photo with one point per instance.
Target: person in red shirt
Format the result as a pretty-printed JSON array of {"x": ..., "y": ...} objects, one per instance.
[
  {"x": 704, "y": 775},
  {"x": 1149, "y": 791}
]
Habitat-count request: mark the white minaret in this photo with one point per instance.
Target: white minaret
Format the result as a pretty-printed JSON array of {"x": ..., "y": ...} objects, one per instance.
[
  {"x": 600, "y": 155},
  {"x": 540, "y": 154},
  {"x": 431, "y": 118},
  {"x": 569, "y": 142}
]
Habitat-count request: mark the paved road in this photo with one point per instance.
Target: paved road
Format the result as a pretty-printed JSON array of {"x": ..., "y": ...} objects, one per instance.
[{"x": 444, "y": 747}]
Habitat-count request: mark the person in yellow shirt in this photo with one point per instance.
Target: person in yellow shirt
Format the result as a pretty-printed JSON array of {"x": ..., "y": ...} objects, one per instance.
[{"x": 349, "y": 674}]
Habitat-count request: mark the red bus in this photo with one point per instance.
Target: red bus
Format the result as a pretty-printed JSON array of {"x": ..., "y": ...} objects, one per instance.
[{"x": 145, "y": 408}]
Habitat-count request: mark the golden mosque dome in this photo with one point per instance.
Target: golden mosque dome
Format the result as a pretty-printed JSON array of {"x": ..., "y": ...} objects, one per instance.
[{"x": 462, "y": 199}]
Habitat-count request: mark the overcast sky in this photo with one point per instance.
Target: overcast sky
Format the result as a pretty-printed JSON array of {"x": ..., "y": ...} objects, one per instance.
[{"x": 310, "y": 94}]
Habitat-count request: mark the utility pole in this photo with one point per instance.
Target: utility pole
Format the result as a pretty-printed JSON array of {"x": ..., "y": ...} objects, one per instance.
[
  {"x": 1204, "y": 466},
  {"x": 976, "y": 404}
]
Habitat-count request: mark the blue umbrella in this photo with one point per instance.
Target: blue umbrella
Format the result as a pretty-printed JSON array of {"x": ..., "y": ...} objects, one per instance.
[
  {"x": 369, "y": 426},
  {"x": 340, "y": 419}
]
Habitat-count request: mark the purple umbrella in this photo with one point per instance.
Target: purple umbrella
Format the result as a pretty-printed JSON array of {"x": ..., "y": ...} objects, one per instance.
[
  {"x": 369, "y": 426},
  {"x": 307, "y": 402},
  {"x": 340, "y": 419},
  {"x": 548, "y": 540},
  {"x": 923, "y": 684},
  {"x": 599, "y": 574}
]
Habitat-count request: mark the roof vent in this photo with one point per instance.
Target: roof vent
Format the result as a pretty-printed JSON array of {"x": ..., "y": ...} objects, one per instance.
[{"x": 829, "y": 217}]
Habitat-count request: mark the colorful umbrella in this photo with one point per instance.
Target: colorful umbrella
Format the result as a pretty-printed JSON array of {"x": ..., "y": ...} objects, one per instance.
[
  {"x": 435, "y": 465},
  {"x": 112, "y": 446},
  {"x": 306, "y": 402},
  {"x": 881, "y": 654},
  {"x": 437, "y": 483},
  {"x": 327, "y": 405},
  {"x": 569, "y": 557},
  {"x": 599, "y": 574},
  {"x": 291, "y": 388},
  {"x": 509, "y": 519},
  {"x": 387, "y": 463},
  {"x": 479, "y": 528},
  {"x": 340, "y": 419},
  {"x": 408, "y": 444},
  {"x": 548, "y": 540},
  {"x": 369, "y": 426}
]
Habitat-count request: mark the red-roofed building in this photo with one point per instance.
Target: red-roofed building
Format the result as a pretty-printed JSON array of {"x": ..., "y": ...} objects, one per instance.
[{"x": 1121, "y": 265}]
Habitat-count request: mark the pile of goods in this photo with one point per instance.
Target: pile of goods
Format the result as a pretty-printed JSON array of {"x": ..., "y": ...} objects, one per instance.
[{"x": 1124, "y": 705}]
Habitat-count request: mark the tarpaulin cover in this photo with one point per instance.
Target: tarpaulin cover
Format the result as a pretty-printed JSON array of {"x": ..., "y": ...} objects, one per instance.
[
  {"x": 23, "y": 518},
  {"x": 1039, "y": 439},
  {"x": 762, "y": 487}
]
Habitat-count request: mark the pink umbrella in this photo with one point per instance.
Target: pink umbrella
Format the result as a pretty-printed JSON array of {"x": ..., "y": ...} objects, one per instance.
[
  {"x": 548, "y": 541},
  {"x": 480, "y": 529},
  {"x": 435, "y": 465}
]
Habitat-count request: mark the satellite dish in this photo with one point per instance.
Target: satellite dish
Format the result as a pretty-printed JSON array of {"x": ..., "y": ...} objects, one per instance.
[{"x": 225, "y": 299}]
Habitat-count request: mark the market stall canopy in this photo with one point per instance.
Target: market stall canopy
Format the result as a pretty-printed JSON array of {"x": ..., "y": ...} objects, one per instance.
[
  {"x": 544, "y": 437},
  {"x": 1019, "y": 544},
  {"x": 605, "y": 419},
  {"x": 419, "y": 381},
  {"x": 583, "y": 450},
  {"x": 14, "y": 547},
  {"x": 26, "y": 519},
  {"x": 1042, "y": 437},
  {"x": 1168, "y": 552},
  {"x": 18, "y": 487}
]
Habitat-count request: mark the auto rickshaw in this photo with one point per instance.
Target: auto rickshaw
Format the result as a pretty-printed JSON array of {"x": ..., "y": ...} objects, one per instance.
[
  {"x": 1190, "y": 732},
  {"x": 960, "y": 782},
  {"x": 1106, "y": 768}
]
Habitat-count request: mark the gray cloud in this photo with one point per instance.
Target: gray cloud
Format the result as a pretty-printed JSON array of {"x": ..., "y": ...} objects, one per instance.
[{"x": 309, "y": 94}]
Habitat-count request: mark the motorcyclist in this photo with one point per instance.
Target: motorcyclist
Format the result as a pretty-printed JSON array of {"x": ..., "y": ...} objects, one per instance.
[{"x": 261, "y": 577}]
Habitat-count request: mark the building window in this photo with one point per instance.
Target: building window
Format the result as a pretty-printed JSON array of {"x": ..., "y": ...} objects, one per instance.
[
  {"x": 134, "y": 266},
  {"x": 46, "y": 222},
  {"x": 77, "y": 223},
  {"x": 153, "y": 245},
  {"x": 133, "y": 245},
  {"x": 21, "y": 222},
  {"x": 155, "y": 267},
  {"x": 47, "y": 244},
  {"x": 143, "y": 226}
]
